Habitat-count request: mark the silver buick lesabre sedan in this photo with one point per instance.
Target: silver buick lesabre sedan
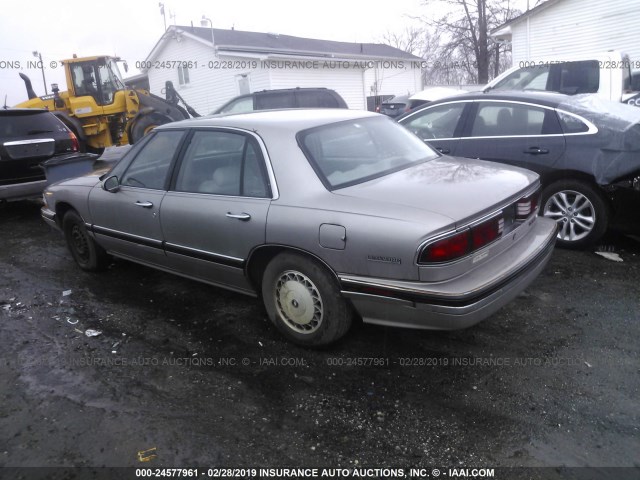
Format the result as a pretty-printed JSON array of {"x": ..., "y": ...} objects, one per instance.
[{"x": 325, "y": 214}]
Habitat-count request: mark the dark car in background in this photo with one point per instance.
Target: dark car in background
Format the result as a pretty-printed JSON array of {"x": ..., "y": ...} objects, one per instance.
[
  {"x": 398, "y": 105},
  {"x": 586, "y": 150},
  {"x": 29, "y": 137},
  {"x": 284, "y": 98}
]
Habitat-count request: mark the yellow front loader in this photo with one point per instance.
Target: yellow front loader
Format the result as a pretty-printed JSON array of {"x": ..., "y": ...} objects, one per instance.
[{"x": 100, "y": 109}]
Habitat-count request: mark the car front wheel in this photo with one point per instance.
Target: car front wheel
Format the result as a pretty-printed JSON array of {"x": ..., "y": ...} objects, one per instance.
[
  {"x": 303, "y": 301},
  {"x": 85, "y": 251},
  {"x": 580, "y": 211}
]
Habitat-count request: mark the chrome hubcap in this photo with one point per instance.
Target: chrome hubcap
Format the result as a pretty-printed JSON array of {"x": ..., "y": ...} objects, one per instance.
[
  {"x": 573, "y": 212},
  {"x": 298, "y": 302}
]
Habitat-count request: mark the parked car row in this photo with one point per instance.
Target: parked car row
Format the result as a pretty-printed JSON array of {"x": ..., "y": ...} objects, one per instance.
[
  {"x": 328, "y": 213},
  {"x": 321, "y": 213}
]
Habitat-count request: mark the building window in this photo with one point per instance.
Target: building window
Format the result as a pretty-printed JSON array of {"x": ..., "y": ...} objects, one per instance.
[
  {"x": 244, "y": 86},
  {"x": 183, "y": 75}
]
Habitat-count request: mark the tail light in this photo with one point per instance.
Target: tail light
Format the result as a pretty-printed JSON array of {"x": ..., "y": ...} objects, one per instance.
[
  {"x": 460, "y": 244},
  {"x": 378, "y": 109},
  {"x": 527, "y": 205},
  {"x": 75, "y": 145},
  {"x": 447, "y": 249}
]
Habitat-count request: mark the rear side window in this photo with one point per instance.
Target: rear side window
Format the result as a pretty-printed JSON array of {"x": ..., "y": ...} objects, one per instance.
[
  {"x": 223, "y": 163},
  {"x": 24, "y": 125},
  {"x": 572, "y": 124},
  {"x": 501, "y": 119},
  {"x": 269, "y": 100},
  {"x": 316, "y": 99}
]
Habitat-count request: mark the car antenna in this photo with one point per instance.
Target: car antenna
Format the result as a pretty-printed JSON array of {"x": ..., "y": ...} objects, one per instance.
[{"x": 5, "y": 101}]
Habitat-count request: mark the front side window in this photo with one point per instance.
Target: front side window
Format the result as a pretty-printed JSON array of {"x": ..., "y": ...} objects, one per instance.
[
  {"x": 150, "y": 167},
  {"x": 436, "y": 122},
  {"x": 108, "y": 86},
  {"x": 223, "y": 163},
  {"x": 566, "y": 77},
  {"x": 501, "y": 119},
  {"x": 355, "y": 151}
]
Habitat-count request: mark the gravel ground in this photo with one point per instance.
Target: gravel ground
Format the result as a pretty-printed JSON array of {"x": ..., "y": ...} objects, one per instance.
[{"x": 200, "y": 375}]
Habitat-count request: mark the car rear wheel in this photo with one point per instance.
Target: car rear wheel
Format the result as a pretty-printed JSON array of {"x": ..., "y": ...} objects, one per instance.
[
  {"x": 580, "y": 211},
  {"x": 303, "y": 301},
  {"x": 85, "y": 251}
]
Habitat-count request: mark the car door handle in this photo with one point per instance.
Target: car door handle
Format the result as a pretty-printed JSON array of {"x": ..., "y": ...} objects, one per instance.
[
  {"x": 144, "y": 204},
  {"x": 443, "y": 150},
  {"x": 536, "y": 151},
  {"x": 239, "y": 216}
]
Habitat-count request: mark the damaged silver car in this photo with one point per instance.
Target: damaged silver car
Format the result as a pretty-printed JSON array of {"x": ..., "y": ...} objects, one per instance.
[
  {"x": 586, "y": 150},
  {"x": 324, "y": 214}
]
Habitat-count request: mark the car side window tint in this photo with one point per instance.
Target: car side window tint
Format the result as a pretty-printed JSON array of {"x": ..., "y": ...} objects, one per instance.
[
  {"x": 150, "y": 167},
  {"x": 316, "y": 99},
  {"x": 511, "y": 119},
  {"x": 571, "y": 124},
  {"x": 221, "y": 163},
  {"x": 240, "y": 106},
  {"x": 253, "y": 175},
  {"x": 436, "y": 122},
  {"x": 268, "y": 100}
]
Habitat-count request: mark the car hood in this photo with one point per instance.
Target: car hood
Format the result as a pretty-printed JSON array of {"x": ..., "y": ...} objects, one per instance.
[
  {"x": 89, "y": 180},
  {"x": 459, "y": 188}
]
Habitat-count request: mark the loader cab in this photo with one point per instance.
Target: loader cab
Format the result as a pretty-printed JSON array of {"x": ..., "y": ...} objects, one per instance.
[{"x": 98, "y": 77}]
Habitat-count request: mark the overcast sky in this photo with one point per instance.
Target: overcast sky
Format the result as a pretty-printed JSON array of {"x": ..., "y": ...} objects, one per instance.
[{"x": 130, "y": 28}]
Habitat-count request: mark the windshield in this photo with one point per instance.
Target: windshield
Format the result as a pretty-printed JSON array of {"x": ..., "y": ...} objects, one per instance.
[
  {"x": 115, "y": 75},
  {"x": 355, "y": 151}
]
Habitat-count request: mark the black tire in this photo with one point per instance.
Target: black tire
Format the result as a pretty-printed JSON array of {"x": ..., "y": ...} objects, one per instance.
[
  {"x": 304, "y": 282},
  {"x": 582, "y": 213},
  {"x": 85, "y": 251},
  {"x": 145, "y": 124},
  {"x": 96, "y": 150}
]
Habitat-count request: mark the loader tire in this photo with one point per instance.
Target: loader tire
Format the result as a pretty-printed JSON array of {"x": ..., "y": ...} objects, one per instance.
[{"x": 145, "y": 124}]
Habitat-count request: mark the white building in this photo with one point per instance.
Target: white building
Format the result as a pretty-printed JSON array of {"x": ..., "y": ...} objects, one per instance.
[
  {"x": 208, "y": 66},
  {"x": 561, "y": 28}
]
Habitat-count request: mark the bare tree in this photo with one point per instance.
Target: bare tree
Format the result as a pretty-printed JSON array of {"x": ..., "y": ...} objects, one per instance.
[
  {"x": 464, "y": 33},
  {"x": 411, "y": 40}
]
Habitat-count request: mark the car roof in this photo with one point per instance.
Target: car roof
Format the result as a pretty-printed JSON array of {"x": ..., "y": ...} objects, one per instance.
[
  {"x": 294, "y": 119},
  {"x": 550, "y": 99},
  {"x": 397, "y": 99},
  {"x": 21, "y": 111}
]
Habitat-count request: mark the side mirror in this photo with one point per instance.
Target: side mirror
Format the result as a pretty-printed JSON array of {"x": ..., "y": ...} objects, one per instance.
[{"x": 111, "y": 184}]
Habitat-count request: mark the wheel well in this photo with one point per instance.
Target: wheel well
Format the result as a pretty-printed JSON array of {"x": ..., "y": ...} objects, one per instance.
[
  {"x": 61, "y": 210},
  {"x": 261, "y": 256},
  {"x": 559, "y": 175}
]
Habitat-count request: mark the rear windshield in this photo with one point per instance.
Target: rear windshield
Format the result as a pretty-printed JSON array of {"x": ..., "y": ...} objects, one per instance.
[
  {"x": 27, "y": 123},
  {"x": 355, "y": 151}
]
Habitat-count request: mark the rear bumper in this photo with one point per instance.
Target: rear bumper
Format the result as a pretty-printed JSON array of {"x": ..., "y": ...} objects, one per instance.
[
  {"x": 20, "y": 191},
  {"x": 458, "y": 303}
]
